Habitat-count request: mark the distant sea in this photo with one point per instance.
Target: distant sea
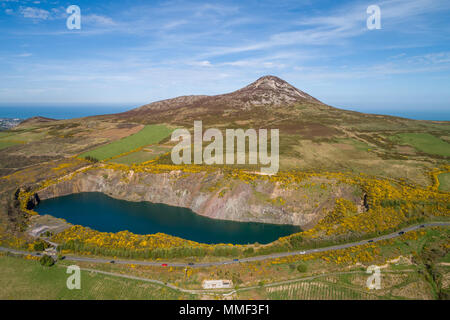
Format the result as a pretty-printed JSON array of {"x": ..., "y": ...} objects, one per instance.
[
  {"x": 430, "y": 114},
  {"x": 61, "y": 111},
  {"x": 78, "y": 111}
]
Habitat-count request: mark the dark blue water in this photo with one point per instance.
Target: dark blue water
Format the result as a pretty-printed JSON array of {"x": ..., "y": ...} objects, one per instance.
[
  {"x": 415, "y": 114},
  {"x": 100, "y": 212},
  {"x": 61, "y": 111},
  {"x": 435, "y": 115}
]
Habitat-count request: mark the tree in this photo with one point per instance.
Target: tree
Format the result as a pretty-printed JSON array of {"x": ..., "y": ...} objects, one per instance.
[{"x": 249, "y": 251}]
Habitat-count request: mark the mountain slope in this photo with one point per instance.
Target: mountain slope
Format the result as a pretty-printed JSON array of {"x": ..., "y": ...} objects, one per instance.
[
  {"x": 266, "y": 92},
  {"x": 313, "y": 135}
]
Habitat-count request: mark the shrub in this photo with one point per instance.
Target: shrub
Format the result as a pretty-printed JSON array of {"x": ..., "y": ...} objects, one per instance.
[
  {"x": 91, "y": 159},
  {"x": 46, "y": 261},
  {"x": 249, "y": 251},
  {"x": 296, "y": 241},
  {"x": 236, "y": 279},
  {"x": 39, "y": 246},
  {"x": 301, "y": 267}
]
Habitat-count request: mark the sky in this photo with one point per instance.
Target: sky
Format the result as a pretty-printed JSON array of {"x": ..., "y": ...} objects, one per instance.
[{"x": 136, "y": 52}]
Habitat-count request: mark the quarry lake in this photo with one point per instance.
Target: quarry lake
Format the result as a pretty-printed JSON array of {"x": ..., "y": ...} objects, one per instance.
[{"x": 103, "y": 213}]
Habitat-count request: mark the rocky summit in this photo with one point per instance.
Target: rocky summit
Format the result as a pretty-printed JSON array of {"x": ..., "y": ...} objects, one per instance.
[{"x": 270, "y": 90}]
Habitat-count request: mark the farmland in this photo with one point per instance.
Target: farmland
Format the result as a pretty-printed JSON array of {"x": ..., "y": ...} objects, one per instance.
[
  {"x": 148, "y": 135},
  {"x": 27, "y": 279},
  {"x": 350, "y": 286},
  {"x": 424, "y": 142}
]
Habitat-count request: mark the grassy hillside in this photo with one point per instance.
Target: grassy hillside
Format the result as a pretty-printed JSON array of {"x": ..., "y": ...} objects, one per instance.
[{"x": 318, "y": 137}]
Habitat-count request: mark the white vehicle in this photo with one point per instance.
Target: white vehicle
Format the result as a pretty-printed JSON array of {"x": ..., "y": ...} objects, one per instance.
[{"x": 302, "y": 252}]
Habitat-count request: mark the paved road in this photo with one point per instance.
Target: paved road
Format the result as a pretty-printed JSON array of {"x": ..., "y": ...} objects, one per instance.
[{"x": 256, "y": 258}]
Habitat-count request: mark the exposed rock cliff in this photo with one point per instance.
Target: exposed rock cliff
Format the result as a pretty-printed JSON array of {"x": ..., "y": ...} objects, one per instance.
[{"x": 206, "y": 194}]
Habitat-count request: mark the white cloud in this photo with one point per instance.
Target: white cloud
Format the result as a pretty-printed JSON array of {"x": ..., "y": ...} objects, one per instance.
[
  {"x": 438, "y": 58},
  {"x": 399, "y": 65},
  {"x": 204, "y": 63},
  {"x": 345, "y": 23},
  {"x": 206, "y": 9},
  {"x": 97, "y": 20},
  {"x": 174, "y": 24},
  {"x": 34, "y": 13}
]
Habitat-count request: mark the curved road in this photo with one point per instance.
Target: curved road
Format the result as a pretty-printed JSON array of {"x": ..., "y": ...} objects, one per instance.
[{"x": 256, "y": 258}]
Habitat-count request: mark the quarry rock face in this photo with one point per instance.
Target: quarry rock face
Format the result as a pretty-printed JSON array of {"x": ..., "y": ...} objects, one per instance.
[{"x": 239, "y": 203}]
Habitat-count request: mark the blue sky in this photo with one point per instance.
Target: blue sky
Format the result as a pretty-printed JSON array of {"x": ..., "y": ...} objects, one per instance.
[{"x": 134, "y": 52}]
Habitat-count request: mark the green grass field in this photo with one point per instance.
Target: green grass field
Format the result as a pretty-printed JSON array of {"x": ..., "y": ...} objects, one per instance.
[
  {"x": 444, "y": 181},
  {"x": 4, "y": 134},
  {"x": 148, "y": 135},
  {"x": 5, "y": 143},
  {"x": 11, "y": 138},
  {"x": 27, "y": 279},
  {"x": 424, "y": 142}
]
